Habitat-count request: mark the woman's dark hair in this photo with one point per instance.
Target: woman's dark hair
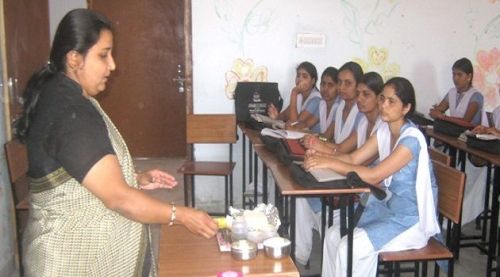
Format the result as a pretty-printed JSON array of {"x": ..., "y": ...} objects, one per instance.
[
  {"x": 79, "y": 30},
  {"x": 465, "y": 66},
  {"x": 311, "y": 70},
  {"x": 331, "y": 72},
  {"x": 355, "y": 69},
  {"x": 404, "y": 91},
  {"x": 374, "y": 81}
]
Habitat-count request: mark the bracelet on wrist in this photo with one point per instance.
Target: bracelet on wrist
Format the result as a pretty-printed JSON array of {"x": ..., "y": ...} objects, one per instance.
[{"x": 172, "y": 215}]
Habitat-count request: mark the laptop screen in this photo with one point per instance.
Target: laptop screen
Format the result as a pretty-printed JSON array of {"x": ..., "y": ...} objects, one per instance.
[{"x": 254, "y": 97}]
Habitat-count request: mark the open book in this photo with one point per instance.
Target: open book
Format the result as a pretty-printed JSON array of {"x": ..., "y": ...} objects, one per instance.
[
  {"x": 284, "y": 134},
  {"x": 326, "y": 174},
  {"x": 274, "y": 123}
]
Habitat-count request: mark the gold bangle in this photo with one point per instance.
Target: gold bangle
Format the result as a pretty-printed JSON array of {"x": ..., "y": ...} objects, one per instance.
[{"x": 172, "y": 215}]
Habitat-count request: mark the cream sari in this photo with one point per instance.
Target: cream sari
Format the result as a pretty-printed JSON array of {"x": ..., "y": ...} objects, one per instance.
[{"x": 71, "y": 233}]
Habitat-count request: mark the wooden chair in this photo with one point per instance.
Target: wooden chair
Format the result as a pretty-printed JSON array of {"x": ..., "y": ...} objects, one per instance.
[
  {"x": 211, "y": 129},
  {"x": 451, "y": 183},
  {"x": 17, "y": 164},
  {"x": 439, "y": 156}
]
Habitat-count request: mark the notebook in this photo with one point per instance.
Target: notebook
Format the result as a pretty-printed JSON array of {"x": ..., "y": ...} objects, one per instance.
[
  {"x": 295, "y": 147},
  {"x": 284, "y": 134},
  {"x": 326, "y": 174}
]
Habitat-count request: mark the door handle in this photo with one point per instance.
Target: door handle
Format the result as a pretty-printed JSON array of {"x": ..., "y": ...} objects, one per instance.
[
  {"x": 12, "y": 85},
  {"x": 179, "y": 79}
]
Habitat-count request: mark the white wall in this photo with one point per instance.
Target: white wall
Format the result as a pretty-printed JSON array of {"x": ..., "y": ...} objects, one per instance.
[
  {"x": 58, "y": 8},
  {"x": 418, "y": 40}
]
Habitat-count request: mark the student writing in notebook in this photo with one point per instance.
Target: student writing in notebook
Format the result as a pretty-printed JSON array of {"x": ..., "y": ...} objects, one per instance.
[
  {"x": 308, "y": 211},
  {"x": 304, "y": 100},
  {"x": 406, "y": 218}
]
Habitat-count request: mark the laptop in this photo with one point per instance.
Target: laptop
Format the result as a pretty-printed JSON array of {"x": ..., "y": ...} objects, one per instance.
[
  {"x": 254, "y": 97},
  {"x": 326, "y": 174}
]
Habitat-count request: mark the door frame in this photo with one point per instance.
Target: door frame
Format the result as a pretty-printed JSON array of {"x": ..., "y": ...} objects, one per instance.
[
  {"x": 4, "y": 77},
  {"x": 188, "y": 63}
]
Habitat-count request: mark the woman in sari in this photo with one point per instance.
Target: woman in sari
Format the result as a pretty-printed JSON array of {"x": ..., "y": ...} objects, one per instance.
[
  {"x": 88, "y": 216},
  {"x": 406, "y": 219}
]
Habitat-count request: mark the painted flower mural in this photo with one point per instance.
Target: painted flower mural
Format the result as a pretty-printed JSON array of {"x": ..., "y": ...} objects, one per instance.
[
  {"x": 487, "y": 76},
  {"x": 378, "y": 61},
  {"x": 243, "y": 71}
]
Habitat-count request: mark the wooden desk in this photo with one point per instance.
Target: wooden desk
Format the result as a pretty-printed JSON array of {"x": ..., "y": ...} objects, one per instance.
[
  {"x": 287, "y": 187},
  {"x": 182, "y": 253},
  {"x": 493, "y": 160}
]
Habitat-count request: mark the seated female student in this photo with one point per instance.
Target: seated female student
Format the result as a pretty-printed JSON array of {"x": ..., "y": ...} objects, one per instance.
[
  {"x": 308, "y": 209},
  {"x": 347, "y": 114},
  {"x": 369, "y": 88},
  {"x": 406, "y": 219},
  {"x": 304, "y": 100},
  {"x": 88, "y": 213},
  {"x": 329, "y": 101},
  {"x": 464, "y": 101}
]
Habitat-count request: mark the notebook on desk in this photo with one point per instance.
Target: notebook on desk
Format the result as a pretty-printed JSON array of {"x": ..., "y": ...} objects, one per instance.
[
  {"x": 326, "y": 174},
  {"x": 295, "y": 147}
]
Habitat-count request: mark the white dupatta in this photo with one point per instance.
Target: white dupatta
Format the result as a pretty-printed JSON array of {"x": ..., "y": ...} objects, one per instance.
[
  {"x": 363, "y": 126},
  {"x": 325, "y": 120},
  {"x": 428, "y": 223},
  {"x": 344, "y": 129},
  {"x": 301, "y": 106},
  {"x": 460, "y": 109}
]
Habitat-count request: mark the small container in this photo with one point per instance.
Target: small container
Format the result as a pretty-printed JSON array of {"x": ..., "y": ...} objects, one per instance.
[
  {"x": 277, "y": 247},
  {"x": 239, "y": 230},
  {"x": 243, "y": 250}
]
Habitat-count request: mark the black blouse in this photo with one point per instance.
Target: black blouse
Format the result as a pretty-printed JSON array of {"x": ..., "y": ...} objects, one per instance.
[{"x": 66, "y": 131}]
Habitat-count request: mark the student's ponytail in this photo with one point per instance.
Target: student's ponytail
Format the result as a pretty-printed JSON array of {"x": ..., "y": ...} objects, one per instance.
[{"x": 78, "y": 31}]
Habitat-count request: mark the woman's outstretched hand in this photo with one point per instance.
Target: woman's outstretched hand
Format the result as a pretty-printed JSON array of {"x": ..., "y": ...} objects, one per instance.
[
  {"x": 154, "y": 179},
  {"x": 196, "y": 221}
]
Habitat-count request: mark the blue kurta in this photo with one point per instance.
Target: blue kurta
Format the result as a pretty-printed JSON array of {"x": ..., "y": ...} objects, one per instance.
[{"x": 385, "y": 220}]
